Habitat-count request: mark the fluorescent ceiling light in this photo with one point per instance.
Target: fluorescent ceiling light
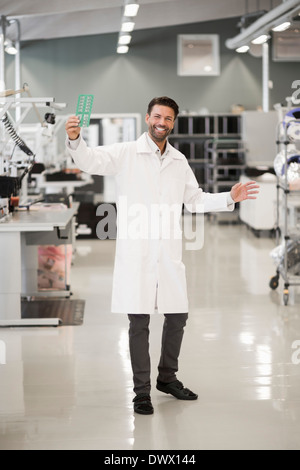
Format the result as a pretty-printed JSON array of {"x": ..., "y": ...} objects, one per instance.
[
  {"x": 124, "y": 39},
  {"x": 131, "y": 9},
  {"x": 261, "y": 39},
  {"x": 282, "y": 27},
  {"x": 242, "y": 49},
  {"x": 122, "y": 49},
  {"x": 127, "y": 26}
]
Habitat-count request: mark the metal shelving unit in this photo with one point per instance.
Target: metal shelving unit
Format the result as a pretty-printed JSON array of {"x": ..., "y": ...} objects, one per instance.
[
  {"x": 224, "y": 163},
  {"x": 192, "y": 133},
  {"x": 287, "y": 226}
]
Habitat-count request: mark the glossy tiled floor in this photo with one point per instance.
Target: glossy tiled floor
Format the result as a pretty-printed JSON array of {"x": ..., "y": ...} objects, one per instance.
[{"x": 71, "y": 388}]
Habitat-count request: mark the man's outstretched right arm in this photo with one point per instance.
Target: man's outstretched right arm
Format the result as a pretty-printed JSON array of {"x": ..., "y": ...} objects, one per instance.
[{"x": 101, "y": 160}]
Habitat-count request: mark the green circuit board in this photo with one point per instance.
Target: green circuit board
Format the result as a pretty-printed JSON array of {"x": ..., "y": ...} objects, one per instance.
[{"x": 84, "y": 109}]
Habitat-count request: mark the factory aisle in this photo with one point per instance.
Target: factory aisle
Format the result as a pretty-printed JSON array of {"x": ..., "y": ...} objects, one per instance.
[{"x": 71, "y": 387}]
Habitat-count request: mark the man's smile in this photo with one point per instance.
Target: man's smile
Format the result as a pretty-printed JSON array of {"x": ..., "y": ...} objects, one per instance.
[{"x": 161, "y": 129}]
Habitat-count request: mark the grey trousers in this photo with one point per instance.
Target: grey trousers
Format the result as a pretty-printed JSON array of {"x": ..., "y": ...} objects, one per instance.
[{"x": 173, "y": 330}]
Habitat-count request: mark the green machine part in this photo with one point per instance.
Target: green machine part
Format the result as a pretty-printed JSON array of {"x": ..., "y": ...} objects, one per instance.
[{"x": 84, "y": 109}]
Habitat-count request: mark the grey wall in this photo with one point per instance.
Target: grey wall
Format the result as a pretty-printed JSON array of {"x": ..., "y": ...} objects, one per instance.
[{"x": 67, "y": 67}]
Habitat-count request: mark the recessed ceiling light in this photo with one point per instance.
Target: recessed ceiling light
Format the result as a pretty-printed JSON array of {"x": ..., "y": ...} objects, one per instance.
[
  {"x": 122, "y": 49},
  {"x": 127, "y": 26},
  {"x": 124, "y": 39},
  {"x": 131, "y": 9}
]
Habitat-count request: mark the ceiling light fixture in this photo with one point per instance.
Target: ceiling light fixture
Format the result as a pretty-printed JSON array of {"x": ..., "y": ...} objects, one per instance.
[
  {"x": 131, "y": 8},
  {"x": 10, "y": 47},
  {"x": 282, "y": 27},
  {"x": 242, "y": 49},
  {"x": 261, "y": 39},
  {"x": 124, "y": 39},
  {"x": 127, "y": 26},
  {"x": 122, "y": 49}
]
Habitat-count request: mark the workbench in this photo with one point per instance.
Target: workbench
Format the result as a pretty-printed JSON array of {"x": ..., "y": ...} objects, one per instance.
[{"x": 20, "y": 234}]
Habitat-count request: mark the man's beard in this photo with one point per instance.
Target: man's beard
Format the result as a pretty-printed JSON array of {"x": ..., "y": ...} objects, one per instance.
[{"x": 157, "y": 136}]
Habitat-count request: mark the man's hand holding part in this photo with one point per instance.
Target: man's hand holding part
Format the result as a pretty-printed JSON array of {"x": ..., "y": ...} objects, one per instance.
[{"x": 72, "y": 127}]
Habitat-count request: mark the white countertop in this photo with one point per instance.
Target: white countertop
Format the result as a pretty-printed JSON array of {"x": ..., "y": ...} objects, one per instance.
[{"x": 37, "y": 220}]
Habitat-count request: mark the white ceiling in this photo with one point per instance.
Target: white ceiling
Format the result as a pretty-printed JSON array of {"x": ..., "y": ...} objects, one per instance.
[{"x": 68, "y": 18}]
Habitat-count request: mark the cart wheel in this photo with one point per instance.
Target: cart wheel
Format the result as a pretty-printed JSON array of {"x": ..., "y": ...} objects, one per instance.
[
  {"x": 274, "y": 282},
  {"x": 285, "y": 297}
]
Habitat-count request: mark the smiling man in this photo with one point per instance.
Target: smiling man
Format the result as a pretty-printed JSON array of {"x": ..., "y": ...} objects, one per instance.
[
  {"x": 160, "y": 121},
  {"x": 149, "y": 275}
]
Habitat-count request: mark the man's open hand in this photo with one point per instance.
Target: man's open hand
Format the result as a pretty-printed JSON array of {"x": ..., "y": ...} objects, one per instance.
[{"x": 241, "y": 192}]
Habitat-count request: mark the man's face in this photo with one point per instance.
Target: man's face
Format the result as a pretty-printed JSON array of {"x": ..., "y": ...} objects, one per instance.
[{"x": 160, "y": 122}]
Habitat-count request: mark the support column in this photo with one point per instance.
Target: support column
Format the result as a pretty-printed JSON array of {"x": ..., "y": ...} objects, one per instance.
[
  {"x": 2, "y": 53},
  {"x": 265, "y": 77}
]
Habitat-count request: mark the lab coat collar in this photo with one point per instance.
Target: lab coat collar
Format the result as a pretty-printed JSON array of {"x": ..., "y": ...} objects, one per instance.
[{"x": 144, "y": 147}]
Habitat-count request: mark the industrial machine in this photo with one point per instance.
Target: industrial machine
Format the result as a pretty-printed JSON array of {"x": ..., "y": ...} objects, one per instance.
[{"x": 17, "y": 156}]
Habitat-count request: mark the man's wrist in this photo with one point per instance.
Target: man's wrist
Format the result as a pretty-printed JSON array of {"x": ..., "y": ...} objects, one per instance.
[
  {"x": 74, "y": 139},
  {"x": 230, "y": 199},
  {"x": 74, "y": 143}
]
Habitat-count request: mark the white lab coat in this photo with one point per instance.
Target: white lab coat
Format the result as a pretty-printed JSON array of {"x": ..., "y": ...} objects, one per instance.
[{"x": 148, "y": 272}]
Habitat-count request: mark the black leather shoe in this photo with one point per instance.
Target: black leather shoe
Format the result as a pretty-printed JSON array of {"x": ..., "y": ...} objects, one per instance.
[
  {"x": 142, "y": 404},
  {"x": 177, "y": 390}
]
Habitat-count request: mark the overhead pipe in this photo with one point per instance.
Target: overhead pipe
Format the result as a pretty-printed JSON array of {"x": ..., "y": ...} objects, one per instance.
[{"x": 266, "y": 22}]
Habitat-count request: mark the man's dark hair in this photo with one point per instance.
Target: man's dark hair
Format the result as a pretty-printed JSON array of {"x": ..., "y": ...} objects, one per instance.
[{"x": 164, "y": 101}]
